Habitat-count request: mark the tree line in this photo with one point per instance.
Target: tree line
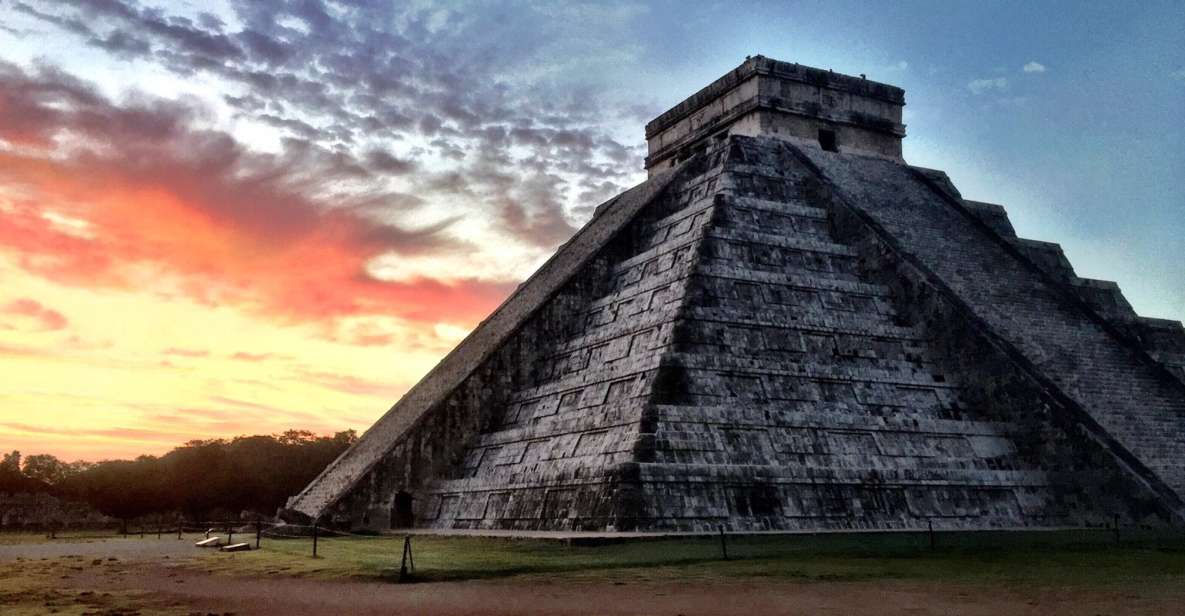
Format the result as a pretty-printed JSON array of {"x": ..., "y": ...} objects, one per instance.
[{"x": 200, "y": 480}]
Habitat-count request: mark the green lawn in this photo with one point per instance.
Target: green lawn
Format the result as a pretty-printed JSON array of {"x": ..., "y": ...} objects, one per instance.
[{"x": 1051, "y": 558}]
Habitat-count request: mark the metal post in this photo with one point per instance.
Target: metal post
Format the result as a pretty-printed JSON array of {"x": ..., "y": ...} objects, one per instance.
[
  {"x": 230, "y": 535},
  {"x": 723, "y": 544},
  {"x": 258, "y": 532},
  {"x": 158, "y": 530},
  {"x": 314, "y": 539},
  {"x": 930, "y": 525},
  {"x": 1116, "y": 529},
  {"x": 403, "y": 562},
  {"x": 178, "y": 529}
]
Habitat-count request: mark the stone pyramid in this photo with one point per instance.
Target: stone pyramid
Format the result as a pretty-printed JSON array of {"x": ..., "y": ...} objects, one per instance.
[{"x": 785, "y": 327}]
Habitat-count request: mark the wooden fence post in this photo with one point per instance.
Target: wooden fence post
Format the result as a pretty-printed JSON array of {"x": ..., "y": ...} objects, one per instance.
[
  {"x": 258, "y": 532},
  {"x": 314, "y": 538},
  {"x": 723, "y": 544}
]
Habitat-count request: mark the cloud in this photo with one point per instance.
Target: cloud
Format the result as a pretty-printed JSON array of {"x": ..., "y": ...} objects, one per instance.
[
  {"x": 17, "y": 350},
  {"x": 179, "y": 352},
  {"x": 44, "y": 318},
  {"x": 979, "y": 86},
  {"x": 117, "y": 433},
  {"x": 433, "y": 117},
  {"x": 352, "y": 385},
  {"x": 1033, "y": 67},
  {"x": 335, "y": 79},
  {"x": 252, "y": 357},
  {"x": 275, "y": 233}
]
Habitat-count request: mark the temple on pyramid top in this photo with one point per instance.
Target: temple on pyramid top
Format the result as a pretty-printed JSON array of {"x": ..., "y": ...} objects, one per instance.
[
  {"x": 785, "y": 327},
  {"x": 767, "y": 98}
]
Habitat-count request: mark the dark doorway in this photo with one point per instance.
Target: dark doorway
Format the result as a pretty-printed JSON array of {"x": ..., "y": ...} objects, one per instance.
[
  {"x": 827, "y": 140},
  {"x": 401, "y": 513}
]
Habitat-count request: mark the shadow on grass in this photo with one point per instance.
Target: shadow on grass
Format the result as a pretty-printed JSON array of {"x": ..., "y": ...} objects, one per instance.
[{"x": 1062, "y": 557}]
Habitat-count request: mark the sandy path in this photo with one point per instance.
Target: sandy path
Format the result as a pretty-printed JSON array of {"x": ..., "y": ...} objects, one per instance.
[
  {"x": 153, "y": 565},
  {"x": 131, "y": 548},
  {"x": 523, "y": 596}
]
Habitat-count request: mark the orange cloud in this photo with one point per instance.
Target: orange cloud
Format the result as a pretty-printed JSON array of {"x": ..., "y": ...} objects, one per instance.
[
  {"x": 245, "y": 356},
  {"x": 185, "y": 352},
  {"x": 100, "y": 194},
  {"x": 47, "y": 319},
  {"x": 353, "y": 385}
]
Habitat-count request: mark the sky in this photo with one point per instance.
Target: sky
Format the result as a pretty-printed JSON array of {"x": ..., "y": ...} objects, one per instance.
[{"x": 241, "y": 217}]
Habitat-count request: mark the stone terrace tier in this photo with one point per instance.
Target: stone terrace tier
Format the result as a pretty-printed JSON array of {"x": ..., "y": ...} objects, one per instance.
[{"x": 764, "y": 97}]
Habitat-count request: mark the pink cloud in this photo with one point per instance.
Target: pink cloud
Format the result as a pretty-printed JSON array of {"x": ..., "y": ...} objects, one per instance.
[
  {"x": 252, "y": 357},
  {"x": 47, "y": 318},
  {"x": 150, "y": 193},
  {"x": 179, "y": 352}
]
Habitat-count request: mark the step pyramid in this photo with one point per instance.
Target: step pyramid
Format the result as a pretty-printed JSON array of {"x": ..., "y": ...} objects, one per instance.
[{"x": 785, "y": 327}]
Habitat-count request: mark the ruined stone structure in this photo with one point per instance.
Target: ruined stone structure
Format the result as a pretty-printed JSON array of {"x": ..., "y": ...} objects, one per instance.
[
  {"x": 785, "y": 327},
  {"x": 34, "y": 511}
]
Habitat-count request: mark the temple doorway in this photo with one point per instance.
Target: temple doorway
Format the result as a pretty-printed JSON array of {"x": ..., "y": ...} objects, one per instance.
[{"x": 401, "y": 513}]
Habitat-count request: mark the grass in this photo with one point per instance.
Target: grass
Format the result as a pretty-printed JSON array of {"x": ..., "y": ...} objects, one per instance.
[
  {"x": 994, "y": 562},
  {"x": 30, "y": 588},
  {"x": 1072, "y": 558}
]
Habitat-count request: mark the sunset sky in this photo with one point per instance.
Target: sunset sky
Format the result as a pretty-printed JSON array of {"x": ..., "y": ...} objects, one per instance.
[{"x": 240, "y": 217}]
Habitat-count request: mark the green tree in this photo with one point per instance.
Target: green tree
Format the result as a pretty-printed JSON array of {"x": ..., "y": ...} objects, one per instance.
[
  {"x": 204, "y": 479},
  {"x": 47, "y": 468},
  {"x": 11, "y": 462}
]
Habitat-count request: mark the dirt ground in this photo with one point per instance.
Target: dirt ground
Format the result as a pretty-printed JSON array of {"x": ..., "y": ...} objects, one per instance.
[
  {"x": 290, "y": 596},
  {"x": 164, "y": 577},
  {"x": 131, "y": 548}
]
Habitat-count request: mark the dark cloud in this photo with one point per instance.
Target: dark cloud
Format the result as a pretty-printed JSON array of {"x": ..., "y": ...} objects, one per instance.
[
  {"x": 383, "y": 162},
  {"x": 371, "y": 70},
  {"x": 381, "y": 109}
]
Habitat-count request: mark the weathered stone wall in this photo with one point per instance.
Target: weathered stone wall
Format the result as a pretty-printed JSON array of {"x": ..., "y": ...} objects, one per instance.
[
  {"x": 1136, "y": 406},
  {"x": 1163, "y": 339},
  {"x": 800, "y": 394},
  {"x": 563, "y": 453},
  {"x": 779, "y": 337},
  {"x": 783, "y": 100},
  {"x": 429, "y": 427}
]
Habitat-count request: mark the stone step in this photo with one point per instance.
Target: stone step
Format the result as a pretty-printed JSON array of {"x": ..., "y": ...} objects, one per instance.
[
  {"x": 771, "y": 237},
  {"x": 892, "y": 373},
  {"x": 824, "y": 323},
  {"x": 829, "y": 415}
]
